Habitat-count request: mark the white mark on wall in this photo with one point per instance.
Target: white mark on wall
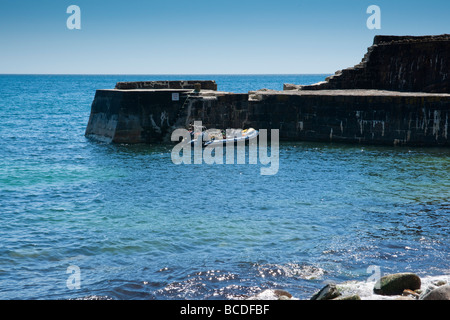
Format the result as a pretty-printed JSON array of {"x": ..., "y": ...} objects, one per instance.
[
  {"x": 371, "y": 123},
  {"x": 189, "y": 110},
  {"x": 446, "y": 126},
  {"x": 360, "y": 121},
  {"x": 425, "y": 121},
  {"x": 154, "y": 125},
  {"x": 376, "y": 123},
  {"x": 436, "y": 122},
  {"x": 164, "y": 117}
]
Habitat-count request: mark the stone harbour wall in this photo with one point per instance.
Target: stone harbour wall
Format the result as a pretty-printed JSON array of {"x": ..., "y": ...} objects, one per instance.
[
  {"x": 398, "y": 95},
  {"x": 354, "y": 116},
  {"x": 369, "y": 117}
]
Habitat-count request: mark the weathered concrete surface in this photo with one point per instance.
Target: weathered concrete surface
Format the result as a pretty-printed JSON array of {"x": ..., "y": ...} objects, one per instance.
[
  {"x": 189, "y": 84},
  {"x": 397, "y": 63}
]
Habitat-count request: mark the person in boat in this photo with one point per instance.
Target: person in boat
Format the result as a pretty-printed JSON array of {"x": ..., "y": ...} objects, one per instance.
[{"x": 197, "y": 134}]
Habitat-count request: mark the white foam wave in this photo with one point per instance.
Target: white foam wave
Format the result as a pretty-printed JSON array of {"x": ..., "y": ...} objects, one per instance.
[{"x": 365, "y": 288}]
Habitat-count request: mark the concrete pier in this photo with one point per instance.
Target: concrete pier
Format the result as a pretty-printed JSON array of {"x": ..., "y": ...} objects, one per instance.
[{"x": 357, "y": 116}]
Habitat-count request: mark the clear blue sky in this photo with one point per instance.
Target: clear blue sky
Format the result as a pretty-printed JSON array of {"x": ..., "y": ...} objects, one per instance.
[{"x": 202, "y": 37}]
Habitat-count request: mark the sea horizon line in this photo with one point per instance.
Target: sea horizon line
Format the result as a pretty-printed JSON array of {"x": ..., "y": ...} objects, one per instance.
[{"x": 162, "y": 74}]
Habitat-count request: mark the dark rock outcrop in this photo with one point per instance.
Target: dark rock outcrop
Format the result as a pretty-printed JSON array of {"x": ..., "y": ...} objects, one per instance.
[
  {"x": 395, "y": 284},
  {"x": 328, "y": 292},
  {"x": 439, "y": 293}
]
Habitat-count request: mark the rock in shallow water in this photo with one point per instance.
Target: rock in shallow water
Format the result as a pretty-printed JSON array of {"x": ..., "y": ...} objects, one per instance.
[
  {"x": 439, "y": 283},
  {"x": 269, "y": 294},
  {"x": 440, "y": 293},
  {"x": 282, "y": 293},
  {"x": 327, "y": 293},
  {"x": 395, "y": 284},
  {"x": 352, "y": 297}
]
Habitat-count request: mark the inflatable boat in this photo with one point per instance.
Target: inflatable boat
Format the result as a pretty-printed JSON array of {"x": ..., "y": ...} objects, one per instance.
[{"x": 218, "y": 137}]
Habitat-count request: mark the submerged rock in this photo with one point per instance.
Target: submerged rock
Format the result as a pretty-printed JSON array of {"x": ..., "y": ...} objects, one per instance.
[
  {"x": 328, "y": 292},
  {"x": 282, "y": 294},
  {"x": 270, "y": 294},
  {"x": 352, "y": 297},
  {"x": 395, "y": 284},
  {"x": 439, "y": 283},
  {"x": 439, "y": 293}
]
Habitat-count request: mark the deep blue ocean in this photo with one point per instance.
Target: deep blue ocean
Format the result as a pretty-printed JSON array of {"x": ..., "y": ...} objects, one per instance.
[{"x": 136, "y": 226}]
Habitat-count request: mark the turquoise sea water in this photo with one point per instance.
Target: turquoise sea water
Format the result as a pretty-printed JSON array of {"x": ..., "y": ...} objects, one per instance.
[{"x": 139, "y": 227}]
